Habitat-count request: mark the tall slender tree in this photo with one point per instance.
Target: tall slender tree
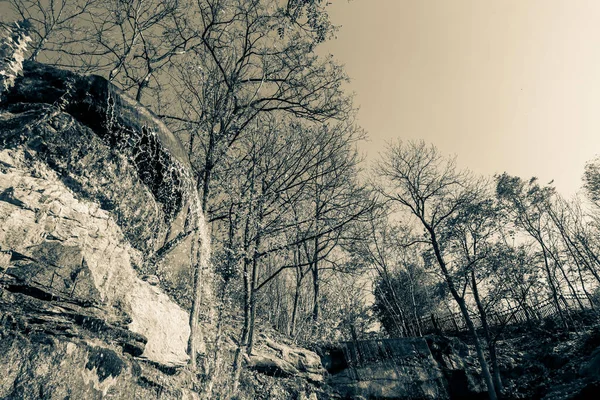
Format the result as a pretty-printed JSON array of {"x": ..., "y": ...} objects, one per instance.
[{"x": 417, "y": 178}]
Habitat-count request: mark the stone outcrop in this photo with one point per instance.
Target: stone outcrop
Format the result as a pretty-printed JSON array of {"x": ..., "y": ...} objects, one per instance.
[
  {"x": 126, "y": 160},
  {"x": 96, "y": 198},
  {"x": 43, "y": 365},
  {"x": 64, "y": 236},
  {"x": 285, "y": 360},
  {"x": 411, "y": 368}
]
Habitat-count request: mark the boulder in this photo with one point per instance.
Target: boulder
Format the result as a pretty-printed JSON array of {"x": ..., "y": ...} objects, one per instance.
[
  {"x": 271, "y": 365},
  {"x": 109, "y": 149},
  {"x": 275, "y": 358}
]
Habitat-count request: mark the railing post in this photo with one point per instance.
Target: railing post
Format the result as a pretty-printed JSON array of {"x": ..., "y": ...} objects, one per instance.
[
  {"x": 454, "y": 323},
  {"x": 436, "y": 327}
]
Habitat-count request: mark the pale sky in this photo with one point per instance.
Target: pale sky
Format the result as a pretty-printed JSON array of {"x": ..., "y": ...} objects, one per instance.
[{"x": 506, "y": 85}]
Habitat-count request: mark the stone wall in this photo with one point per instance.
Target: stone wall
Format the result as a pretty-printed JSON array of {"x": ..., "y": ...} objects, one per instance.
[{"x": 408, "y": 368}]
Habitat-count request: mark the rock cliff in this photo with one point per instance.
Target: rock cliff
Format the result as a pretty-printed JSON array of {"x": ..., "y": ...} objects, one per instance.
[{"x": 96, "y": 198}]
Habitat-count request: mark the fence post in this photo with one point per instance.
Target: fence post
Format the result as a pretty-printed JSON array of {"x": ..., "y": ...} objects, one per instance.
[
  {"x": 454, "y": 323},
  {"x": 436, "y": 327}
]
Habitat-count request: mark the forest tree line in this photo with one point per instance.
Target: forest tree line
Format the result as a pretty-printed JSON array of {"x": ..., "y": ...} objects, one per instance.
[{"x": 479, "y": 245}]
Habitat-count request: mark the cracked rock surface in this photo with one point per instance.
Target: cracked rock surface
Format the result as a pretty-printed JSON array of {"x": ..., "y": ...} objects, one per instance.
[{"x": 91, "y": 186}]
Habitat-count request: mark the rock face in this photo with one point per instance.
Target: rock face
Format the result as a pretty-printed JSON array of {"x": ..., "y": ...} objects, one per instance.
[
  {"x": 41, "y": 365},
  {"x": 555, "y": 365},
  {"x": 412, "y": 368},
  {"x": 285, "y": 360},
  {"x": 62, "y": 245},
  {"x": 95, "y": 193},
  {"x": 126, "y": 160}
]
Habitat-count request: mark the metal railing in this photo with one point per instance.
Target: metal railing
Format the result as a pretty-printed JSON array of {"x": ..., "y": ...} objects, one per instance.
[{"x": 521, "y": 313}]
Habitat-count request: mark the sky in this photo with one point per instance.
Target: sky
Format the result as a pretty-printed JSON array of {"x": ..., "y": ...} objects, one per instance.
[{"x": 506, "y": 85}]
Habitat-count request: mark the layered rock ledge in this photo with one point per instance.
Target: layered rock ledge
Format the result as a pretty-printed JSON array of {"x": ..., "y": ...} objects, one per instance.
[{"x": 94, "y": 190}]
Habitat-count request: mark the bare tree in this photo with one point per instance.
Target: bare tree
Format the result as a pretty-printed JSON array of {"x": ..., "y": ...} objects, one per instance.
[
  {"x": 526, "y": 202},
  {"x": 243, "y": 70},
  {"x": 431, "y": 189},
  {"x": 281, "y": 165},
  {"x": 401, "y": 283},
  {"x": 568, "y": 220},
  {"x": 55, "y": 24},
  {"x": 471, "y": 234}
]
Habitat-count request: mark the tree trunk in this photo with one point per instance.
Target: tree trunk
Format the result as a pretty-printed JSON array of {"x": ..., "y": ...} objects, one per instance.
[
  {"x": 418, "y": 331},
  {"x": 241, "y": 347},
  {"x": 195, "y": 312},
  {"x": 486, "y": 332},
  {"x": 214, "y": 370},
  {"x": 553, "y": 287},
  {"x": 140, "y": 90},
  {"x": 197, "y": 264},
  {"x": 252, "y": 320},
  {"x": 254, "y": 278},
  {"x": 295, "y": 306},
  {"x": 237, "y": 361},
  {"x": 207, "y": 175},
  {"x": 316, "y": 288},
  {"x": 485, "y": 370}
]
